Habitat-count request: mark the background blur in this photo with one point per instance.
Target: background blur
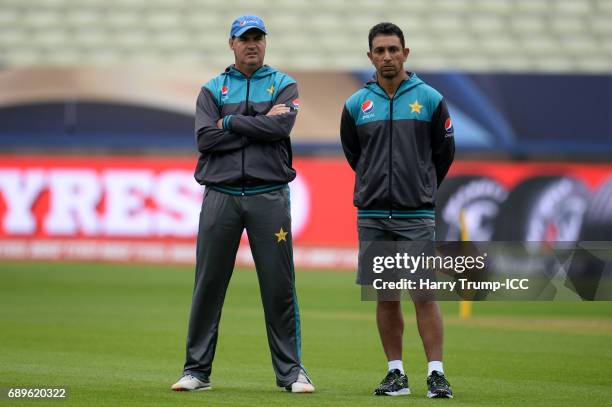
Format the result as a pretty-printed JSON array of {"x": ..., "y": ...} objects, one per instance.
[{"x": 97, "y": 100}]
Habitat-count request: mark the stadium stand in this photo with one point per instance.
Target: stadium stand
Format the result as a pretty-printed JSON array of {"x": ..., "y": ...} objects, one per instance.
[
  {"x": 72, "y": 59},
  {"x": 473, "y": 35}
]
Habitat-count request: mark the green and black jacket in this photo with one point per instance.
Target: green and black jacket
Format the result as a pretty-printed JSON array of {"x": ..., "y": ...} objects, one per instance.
[
  {"x": 252, "y": 153},
  {"x": 399, "y": 148}
]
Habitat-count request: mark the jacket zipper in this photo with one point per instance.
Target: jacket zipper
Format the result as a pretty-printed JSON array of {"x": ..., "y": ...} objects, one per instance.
[
  {"x": 391, "y": 156},
  {"x": 248, "y": 113}
]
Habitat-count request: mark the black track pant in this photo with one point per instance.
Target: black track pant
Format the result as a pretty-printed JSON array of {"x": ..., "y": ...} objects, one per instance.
[{"x": 222, "y": 220}]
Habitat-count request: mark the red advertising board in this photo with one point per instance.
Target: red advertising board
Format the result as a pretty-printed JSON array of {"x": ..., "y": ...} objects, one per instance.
[{"x": 143, "y": 208}]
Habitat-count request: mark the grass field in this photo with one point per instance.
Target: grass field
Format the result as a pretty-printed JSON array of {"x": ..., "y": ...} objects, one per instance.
[{"x": 115, "y": 335}]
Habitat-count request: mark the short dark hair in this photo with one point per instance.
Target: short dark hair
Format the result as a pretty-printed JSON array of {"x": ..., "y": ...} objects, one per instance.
[{"x": 385, "y": 29}]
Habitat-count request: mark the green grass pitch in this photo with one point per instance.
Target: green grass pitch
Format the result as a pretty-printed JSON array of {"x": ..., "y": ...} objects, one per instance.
[{"x": 115, "y": 335}]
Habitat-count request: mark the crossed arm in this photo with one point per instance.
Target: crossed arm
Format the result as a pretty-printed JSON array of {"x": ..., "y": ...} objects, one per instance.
[
  {"x": 275, "y": 111},
  {"x": 234, "y": 132}
]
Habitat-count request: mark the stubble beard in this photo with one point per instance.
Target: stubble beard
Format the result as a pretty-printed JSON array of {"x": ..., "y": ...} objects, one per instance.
[{"x": 389, "y": 74}]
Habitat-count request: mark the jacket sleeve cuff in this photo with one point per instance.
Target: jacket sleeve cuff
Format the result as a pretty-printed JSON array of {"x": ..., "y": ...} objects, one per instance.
[{"x": 227, "y": 122}]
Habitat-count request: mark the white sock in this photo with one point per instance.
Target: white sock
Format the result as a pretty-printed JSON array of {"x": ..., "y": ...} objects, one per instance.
[
  {"x": 396, "y": 364},
  {"x": 434, "y": 365}
]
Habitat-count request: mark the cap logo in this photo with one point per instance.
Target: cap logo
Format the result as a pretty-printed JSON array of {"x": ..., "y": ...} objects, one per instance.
[{"x": 243, "y": 22}]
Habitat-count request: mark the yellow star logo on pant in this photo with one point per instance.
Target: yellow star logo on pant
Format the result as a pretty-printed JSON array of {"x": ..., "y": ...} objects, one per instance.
[
  {"x": 416, "y": 107},
  {"x": 270, "y": 89},
  {"x": 281, "y": 235}
]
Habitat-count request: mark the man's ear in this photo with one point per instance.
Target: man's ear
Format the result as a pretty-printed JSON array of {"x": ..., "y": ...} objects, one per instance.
[
  {"x": 370, "y": 56},
  {"x": 231, "y": 43}
]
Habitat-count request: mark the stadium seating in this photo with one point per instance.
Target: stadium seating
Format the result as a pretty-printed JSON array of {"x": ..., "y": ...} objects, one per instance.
[{"x": 477, "y": 35}]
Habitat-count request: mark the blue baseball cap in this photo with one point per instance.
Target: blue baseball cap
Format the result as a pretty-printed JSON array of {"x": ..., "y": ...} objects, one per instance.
[{"x": 244, "y": 23}]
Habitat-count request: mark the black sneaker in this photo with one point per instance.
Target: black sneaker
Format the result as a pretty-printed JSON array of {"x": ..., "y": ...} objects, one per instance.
[
  {"x": 438, "y": 387},
  {"x": 394, "y": 384}
]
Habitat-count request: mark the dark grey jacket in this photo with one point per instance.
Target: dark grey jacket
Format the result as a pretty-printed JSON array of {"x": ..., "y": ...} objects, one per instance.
[
  {"x": 253, "y": 151},
  {"x": 400, "y": 148}
]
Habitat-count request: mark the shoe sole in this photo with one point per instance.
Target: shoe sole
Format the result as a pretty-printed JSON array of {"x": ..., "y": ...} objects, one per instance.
[
  {"x": 402, "y": 392},
  {"x": 303, "y": 388},
  {"x": 198, "y": 389},
  {"x": 439, "y": 395}
]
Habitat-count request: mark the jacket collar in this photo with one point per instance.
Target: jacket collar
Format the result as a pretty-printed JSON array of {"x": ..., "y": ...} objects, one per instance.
[
  {"x": 263, "y": 71},
  {"x": 407, "y": 84}
]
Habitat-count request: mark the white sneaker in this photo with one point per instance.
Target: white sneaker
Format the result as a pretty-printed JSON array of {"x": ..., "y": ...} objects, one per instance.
[
  {"x": 190, "y": 383},
  {"x": 302, "y": 384}
]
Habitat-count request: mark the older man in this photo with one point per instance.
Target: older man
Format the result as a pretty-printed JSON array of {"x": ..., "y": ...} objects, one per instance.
[{"x": 243, "y": 120}]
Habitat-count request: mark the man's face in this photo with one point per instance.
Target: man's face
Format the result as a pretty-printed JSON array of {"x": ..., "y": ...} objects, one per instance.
[
  {"x": 388, "y": 56},
  {"x": 249, "y": 49}
]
